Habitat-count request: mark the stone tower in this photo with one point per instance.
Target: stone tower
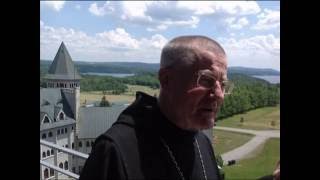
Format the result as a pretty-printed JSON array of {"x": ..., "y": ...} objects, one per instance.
[{"x": 63, "y": 74}]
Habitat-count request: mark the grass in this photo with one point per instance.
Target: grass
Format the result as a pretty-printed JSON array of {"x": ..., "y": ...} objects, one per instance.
[
  {"x": 225, "y": 141},
  {"x": 258, "y": 119},
  {"x": 263, "y": 163},
  {"x": 128, "y": 96}
]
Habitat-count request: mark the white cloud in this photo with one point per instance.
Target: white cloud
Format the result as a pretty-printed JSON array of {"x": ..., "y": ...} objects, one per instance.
[
  {"x": 236, "y": 24},
  {"x": 118, "y": 38},
  {"x": 257, "y": 51},
  {"x": 113, "y": 45},
  {"x": 268, "y": 19},
  {"x": 78, "y": 7},
  {"x": 161, "y": 15},
  {"x": 96, "y": 11},
  {"x": 225, "y": 7},
  {"x": 55, "y": 5}
]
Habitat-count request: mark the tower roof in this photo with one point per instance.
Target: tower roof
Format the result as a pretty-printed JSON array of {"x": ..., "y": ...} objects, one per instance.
[{"x": 62, "y": 66}]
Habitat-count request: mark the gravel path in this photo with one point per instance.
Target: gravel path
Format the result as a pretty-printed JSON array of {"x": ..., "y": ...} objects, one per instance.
[{"x": 245, "y": 150}]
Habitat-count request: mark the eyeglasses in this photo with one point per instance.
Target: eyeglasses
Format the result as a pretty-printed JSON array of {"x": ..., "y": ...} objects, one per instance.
[{"x": 208, "y": 81}]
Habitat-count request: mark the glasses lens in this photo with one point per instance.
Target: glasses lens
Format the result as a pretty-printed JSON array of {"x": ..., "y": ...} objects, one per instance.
[
  {"x": 206, "y": 80},
  {"x": 228, "y": 87}
]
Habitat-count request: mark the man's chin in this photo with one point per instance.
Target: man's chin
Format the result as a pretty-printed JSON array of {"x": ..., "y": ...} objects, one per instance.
[{"x": 206, "y": 123}]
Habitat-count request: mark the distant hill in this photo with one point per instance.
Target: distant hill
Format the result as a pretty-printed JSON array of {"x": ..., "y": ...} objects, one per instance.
[
  {"x": 138, "y": 67},
  {"x": 252, "y": 71}
]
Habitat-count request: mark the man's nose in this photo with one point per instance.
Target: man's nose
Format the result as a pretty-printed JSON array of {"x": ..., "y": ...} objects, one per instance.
[{"x": 217, "y": 91}]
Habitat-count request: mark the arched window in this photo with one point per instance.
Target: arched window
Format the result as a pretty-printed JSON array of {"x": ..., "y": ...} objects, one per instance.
[
  {"x": 72, "y": 145},
  {"x": 61, "y": 165},
  {"x": 43, "y": 154},
  {"x": 61, "y": 116},
  {"x": 58, "y": 132},
  {"x": 46, "y": 173},
  {"x": 48, "y": 153},
  {"x": 52, "y": 152},
  {"x": 44, "y": 135},
  {"x": 50, "y": 134},
  {"x": 80, "y": 144},
  {"x": 66, "y": 165},
  {"x": 51, "y": 172},
  {"x": 65, "y": 130},
  {"x": 88, "y": 144},
  {"x": 46, "y": 120}
]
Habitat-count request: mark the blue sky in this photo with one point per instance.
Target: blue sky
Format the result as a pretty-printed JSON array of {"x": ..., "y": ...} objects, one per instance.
[{"x": 101, "y": 31}]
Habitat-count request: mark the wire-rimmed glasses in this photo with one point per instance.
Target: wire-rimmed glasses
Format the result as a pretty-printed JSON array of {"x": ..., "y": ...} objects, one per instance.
[{"x": 207, "y": 80}]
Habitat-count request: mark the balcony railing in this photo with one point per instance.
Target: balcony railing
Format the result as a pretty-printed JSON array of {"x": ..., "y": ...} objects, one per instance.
[{"x": 65, "y": 150}]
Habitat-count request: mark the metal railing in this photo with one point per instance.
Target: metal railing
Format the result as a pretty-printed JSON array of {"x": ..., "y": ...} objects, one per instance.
[{"x": 65, "y": 150}]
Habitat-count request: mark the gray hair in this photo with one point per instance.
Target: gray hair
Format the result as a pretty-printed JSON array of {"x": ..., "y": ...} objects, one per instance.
[{"x": 181, "y": 50}]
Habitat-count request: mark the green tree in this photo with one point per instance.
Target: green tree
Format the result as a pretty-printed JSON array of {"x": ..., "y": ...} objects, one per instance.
[{"x": 104, "y": 102}]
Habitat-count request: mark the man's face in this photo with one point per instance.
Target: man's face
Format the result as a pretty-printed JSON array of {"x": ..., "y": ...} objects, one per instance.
[{"x": 195, "y": 106}]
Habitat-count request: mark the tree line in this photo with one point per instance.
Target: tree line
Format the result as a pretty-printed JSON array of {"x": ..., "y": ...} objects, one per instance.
[{"x": 248, "y": 93}]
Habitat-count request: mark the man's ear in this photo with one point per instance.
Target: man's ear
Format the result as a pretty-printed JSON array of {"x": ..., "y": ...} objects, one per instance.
[{"x": 163, "y": 75}]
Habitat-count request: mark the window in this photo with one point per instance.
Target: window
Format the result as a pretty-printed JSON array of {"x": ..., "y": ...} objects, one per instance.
[
  {"x": 61, "y": 165},
  {"x": 61, "y": 116},
  {"x": 54, "y": 119},
  {"x": 58, "y": 132},
  {"x": 62, "y": 131},
  {"x": 80, "y": 144},
  {"x": 67, "y": 146},
  {"x": 71, "y": 127},
  {"x": 50, "y": 134},
  {"x": 46, "y": 173},
  {"x": 48, "y": 153},
  {"x": 88, "y": 144},
  {"x": 52, "y": 152},
  {"x": 66, "y": 130},
  {"x": 51, "y": 172},
  {"x": 43, "y": 154},
  {"x": 66, "y": 165},
  {"x": 80, "y": 169},
  {"x": 74, "y": 169},
  {"x": 46, "y": 120},
  {"x": 91, "y": 143},
  {"x": 44, "y": 135},
  {"x": 72, "y": 145}
]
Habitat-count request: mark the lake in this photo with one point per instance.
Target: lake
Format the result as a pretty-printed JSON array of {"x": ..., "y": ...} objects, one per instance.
[
  {"x": 271, "y": 79},
  {"x": 108, "y": 74}
]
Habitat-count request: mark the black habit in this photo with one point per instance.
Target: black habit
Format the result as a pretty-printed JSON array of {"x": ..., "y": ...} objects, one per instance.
[{"x": 132, "y": 148}]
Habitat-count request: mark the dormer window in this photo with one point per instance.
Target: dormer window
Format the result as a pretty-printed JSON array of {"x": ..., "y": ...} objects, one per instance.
[
  {"x": 46, "y": 120},
  {"x": 61, "y": 116}
]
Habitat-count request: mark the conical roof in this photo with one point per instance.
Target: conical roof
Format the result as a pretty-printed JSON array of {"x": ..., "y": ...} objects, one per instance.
[{"x": 62, "y": 66}]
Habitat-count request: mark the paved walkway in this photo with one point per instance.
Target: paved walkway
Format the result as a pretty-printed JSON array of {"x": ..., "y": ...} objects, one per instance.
[{"x": 245, "y": 150}]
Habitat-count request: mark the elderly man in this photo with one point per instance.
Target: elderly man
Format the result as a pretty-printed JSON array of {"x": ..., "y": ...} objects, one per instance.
[{"x": 160, "y": 138}]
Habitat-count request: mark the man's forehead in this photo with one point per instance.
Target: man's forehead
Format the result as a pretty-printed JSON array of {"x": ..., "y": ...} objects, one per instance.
[{"x": 209, "y": 58}]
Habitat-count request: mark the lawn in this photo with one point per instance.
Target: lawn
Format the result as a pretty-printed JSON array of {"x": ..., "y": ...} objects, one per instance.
[
  {"x": 224, "y": 141},
  {"x": 258, "y": 119},
  {"x": 128, "y": 96},
  {"x": 263, "y": 163}
]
